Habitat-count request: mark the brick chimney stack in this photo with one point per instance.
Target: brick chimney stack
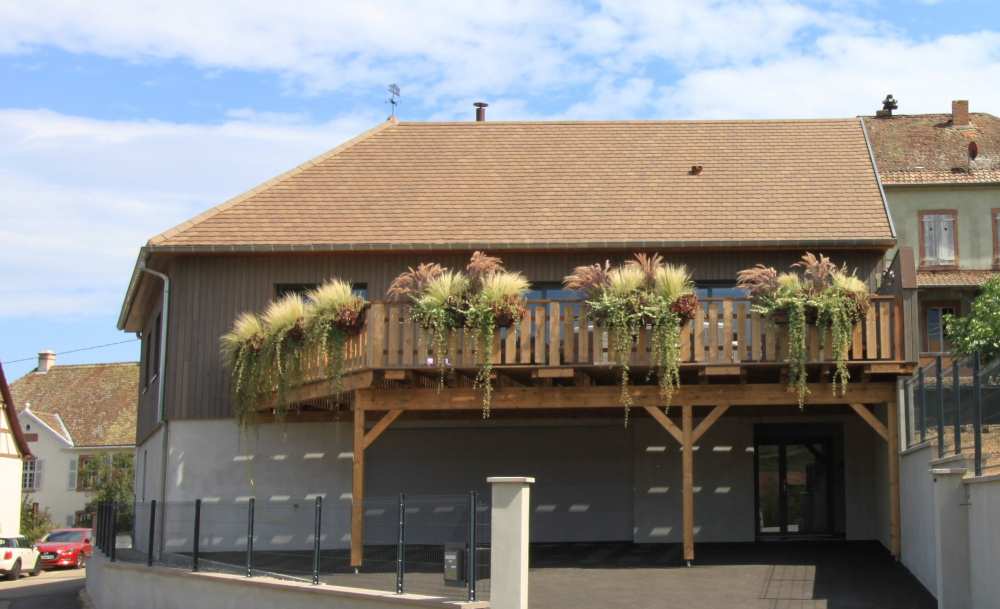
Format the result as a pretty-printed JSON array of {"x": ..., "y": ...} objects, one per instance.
[
  {"x": 46, "y": 359},
  {"x": 960, "y": 113}
]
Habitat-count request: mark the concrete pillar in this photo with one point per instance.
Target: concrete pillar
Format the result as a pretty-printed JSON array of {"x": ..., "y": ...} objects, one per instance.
[
  {"x": 510, "y": 523},
  {"x": 951, "y": 533}
]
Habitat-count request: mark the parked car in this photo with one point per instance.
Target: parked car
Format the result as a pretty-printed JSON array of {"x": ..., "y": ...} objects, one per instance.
[
  {"x": 18, "y": 556},
  {"x": 66, "y": 548}
]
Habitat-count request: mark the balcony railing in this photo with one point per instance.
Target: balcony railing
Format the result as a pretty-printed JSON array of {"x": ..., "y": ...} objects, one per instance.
[{"x": 557, "y": 333}]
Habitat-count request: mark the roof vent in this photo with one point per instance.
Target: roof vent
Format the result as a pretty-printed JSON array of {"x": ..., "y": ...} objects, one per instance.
[
  {"x": 480, "y": 111},
  {"x": 888, "y": 105}
]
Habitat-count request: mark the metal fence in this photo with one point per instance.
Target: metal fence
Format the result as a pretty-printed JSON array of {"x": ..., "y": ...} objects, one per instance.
[
  {"x": 437, "y": 545},
  {"x": 956, "y": 406}
]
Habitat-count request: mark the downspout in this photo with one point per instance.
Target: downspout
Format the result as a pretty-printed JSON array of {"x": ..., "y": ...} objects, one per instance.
[{"x": 161, "y": 387}]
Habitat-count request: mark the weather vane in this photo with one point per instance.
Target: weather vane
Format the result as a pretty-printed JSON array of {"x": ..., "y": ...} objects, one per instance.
[{"x": 393, "y": 97}]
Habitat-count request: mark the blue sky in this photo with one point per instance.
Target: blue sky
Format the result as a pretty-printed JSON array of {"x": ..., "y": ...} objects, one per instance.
[{"x": 121, "y": 119}]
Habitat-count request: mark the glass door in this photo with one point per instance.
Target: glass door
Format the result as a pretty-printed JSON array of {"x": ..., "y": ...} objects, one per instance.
[{"x": 793, "y": 487}]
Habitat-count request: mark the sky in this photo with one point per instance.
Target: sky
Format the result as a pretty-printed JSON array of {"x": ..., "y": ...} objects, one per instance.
[{"x": 120, "y": 119}]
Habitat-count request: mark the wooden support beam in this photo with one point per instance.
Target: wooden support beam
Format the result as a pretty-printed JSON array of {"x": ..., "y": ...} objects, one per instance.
[
  {"x": 553, "y": 373},
  {"x": 708, "y": 421},
  {"x": 381, "y": 426},
  {"x": 665, "y": 421},
  {"x": 871, "y": 419},
  {"x": 687, "y": 471},
  {"x": 718, "y": 370},
  {"x": 892, "y": 448},
  {"x": 607, "y": 396},
  {"x": 358, "y": 480},
  {"x": 322, "y": 389}
]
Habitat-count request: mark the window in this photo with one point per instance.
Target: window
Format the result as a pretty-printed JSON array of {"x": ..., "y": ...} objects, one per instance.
[
  {"x": 939, "y": 245},
  {"x": 86, "y": 478},
  {"x": 31, "y": 475},
  {"x": 935, "y": 340},
  {"x": 283, "y": 289},
  {"x": 996, "y": 237},
  {"x": 552, "y": 290},
  {"x": 719, "y": 290}
]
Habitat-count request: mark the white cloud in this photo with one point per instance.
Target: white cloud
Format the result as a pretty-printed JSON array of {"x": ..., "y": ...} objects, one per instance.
[{"x": 79, "y": 196}]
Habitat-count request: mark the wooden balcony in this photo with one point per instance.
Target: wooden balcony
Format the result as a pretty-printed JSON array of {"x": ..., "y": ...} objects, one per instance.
[{"x": 555, "y": 338}]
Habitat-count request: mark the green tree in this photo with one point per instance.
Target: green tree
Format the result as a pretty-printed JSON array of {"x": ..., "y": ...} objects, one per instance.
[
  {"x": 109, "y": 478},
  {"x": 980, "y": 330},
  {"x": 36, "y": 522}
]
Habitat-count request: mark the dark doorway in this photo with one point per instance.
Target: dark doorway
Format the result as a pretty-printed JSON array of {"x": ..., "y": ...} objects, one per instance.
[{"x": 795, "y": 481}]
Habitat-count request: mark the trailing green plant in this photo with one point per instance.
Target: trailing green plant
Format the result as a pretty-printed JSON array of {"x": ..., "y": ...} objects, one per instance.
[
  {"x": 644, "y": 292},
  {"x": 243, "y": 354},
  {"x": 439, "y": 308},
  {"x": 816, "y": 292},
  {"x": 497, "y": 300},
  {"x": 334, "y": 313},
  {"x": 267, "y": 355},
  {"x": 979, "y": 331}
]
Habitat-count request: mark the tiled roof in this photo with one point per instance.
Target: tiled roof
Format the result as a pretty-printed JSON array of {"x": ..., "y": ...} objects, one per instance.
[
  {"x": 959, "y": 278},
  {"x": 96, "y": 402},
  {"x": 927, "y": 149},
  {"x": 52, "y": 420},
  {"x": 425, "y": 185}
]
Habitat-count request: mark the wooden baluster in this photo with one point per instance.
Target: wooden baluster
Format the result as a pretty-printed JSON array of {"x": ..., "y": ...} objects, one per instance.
[
  {"x": 699, "y": 332},
  {"x": 376, "y": 346},
  {"x": 756, "y": 338},
  {"x": 686, "y": 341},
  {"x": 599, "y": 339},
  {"x": 726, "y": 353},
  {"x": 741, "y": 332},
  {"x": 420, "y": 338},
  {"x": 407, "y": 336},
  {"x": 524, "y": 336},
  {"x": 495, "y": 352},
  {"x": 540, "y": 320},
  {"x": 583, "y": 342},
  {"x": 871, "y": 337},
  {"x": 554, "y": 323},
  {"x": 713, "y": 332},
  {"x": 510, "y": 345},
  {"x": 884, "y": 345},
  {"x": 568, "y": 336},
  {"x": 393, "y": 337},
  {"x": 857, "y": 346}
]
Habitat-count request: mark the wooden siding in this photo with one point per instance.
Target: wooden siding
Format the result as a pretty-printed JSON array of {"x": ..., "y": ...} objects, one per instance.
[
  {"x": 148, "y": 395},
  {"x": 208, "y": 292}
]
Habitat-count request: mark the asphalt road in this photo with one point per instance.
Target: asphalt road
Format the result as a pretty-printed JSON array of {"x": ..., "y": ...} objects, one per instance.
[{"x": 50, "y": 590}]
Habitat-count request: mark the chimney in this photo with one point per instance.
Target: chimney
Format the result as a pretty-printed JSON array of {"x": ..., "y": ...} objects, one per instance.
[
  {"x": 480, "y": 111},
  {"x": 960, "y": 113},
  {"x": 46, "y": 359}
]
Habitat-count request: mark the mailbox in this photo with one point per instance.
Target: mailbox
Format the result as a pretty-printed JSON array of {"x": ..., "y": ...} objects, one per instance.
[{"x": 454, "y": 565}]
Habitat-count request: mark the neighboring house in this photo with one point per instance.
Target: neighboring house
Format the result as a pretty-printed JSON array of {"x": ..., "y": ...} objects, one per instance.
[
  {"x": 13, "y": 451},
  {"x": 718, "y": 196},
  {"x": 72, "y": 414},
  {"x": 941, "y": 174}
]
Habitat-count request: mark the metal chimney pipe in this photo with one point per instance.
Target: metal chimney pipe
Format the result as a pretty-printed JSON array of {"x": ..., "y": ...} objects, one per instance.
[{"x": 480, "y": 111}]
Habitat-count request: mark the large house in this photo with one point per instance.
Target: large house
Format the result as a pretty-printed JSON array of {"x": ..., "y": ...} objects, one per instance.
[
  {"x": 734, "y": 458},
  {"x": 941, "y": 174},
  {"x": 71, "y": 415}
]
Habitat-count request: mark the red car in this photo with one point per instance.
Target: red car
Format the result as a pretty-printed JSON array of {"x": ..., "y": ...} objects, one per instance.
[{"x": 66, "y": 548}]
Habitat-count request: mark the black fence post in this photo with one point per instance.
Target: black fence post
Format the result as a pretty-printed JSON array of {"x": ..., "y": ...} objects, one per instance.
[
  {"x": 471, "y": 554},
  {"x": 196, "y": 542},
  {"x": 939, "y": 378},
  {"x": 107, "y": 527},
  {"x": 922, "y": 402},
  {"x": 113, "y": 532},
  {"x": 401, "y": 545},
  {"x": 97, "y": 525},
  {"x": 956, "y": 392},
  {"x": 250, "y": 537},
  {"x": 152, "y": 533},
  {"x": 317, "y": 534},
  {"x": 977, "y": 413}
]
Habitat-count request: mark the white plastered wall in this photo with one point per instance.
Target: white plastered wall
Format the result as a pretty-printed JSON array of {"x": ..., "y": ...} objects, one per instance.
[{"x": 10, "y": 480}]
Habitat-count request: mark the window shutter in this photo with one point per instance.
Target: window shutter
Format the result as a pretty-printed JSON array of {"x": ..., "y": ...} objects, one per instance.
[
  {"x": 946, "y": 239},
  {"x": 930, "y": 241},
  {"x": 38, "y": 473},
  {"x": 71, "y": 483}
]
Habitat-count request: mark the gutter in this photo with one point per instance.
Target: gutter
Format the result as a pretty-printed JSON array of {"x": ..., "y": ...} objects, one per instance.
[{"x": 878, "y": 177}]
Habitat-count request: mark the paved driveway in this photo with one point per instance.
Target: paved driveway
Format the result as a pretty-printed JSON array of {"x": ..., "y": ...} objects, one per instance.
[
  {"x": 50, "y": 590},
  {"x": 800, "y": 575}
]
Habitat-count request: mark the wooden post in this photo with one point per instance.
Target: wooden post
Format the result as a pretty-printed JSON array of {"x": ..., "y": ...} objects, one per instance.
[
  {"x": 358, "y": 480},
  {"x": 687, "y": 465},
  {"x": 892, "y": 449}
]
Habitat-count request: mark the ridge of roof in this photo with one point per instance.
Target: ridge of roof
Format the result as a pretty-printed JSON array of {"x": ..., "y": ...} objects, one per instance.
[
  {"x": 90, "y": 365},
  {"x": 717, "y": 121},
  {"x": 205, "y": 215}
]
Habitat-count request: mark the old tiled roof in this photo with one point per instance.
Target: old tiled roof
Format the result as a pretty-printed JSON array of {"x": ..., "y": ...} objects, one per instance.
[
  {"x": 96, "y": 402},
  {"x": 52, "y": 420},
  {"x": 583, "y": 184},
  {"x": 927, "y": 149},
  {"x": 959, "y": 278}
]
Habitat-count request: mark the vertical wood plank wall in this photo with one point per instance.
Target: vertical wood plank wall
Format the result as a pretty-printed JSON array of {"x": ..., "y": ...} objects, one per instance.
[{"x": 208, "y": 292}]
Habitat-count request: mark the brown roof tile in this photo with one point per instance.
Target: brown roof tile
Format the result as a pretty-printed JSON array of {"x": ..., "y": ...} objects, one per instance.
[
  {"x": 574, "y": 183},
  {"x": 96, "y": 402},
  {"x": 960, "y": 278},
  {"x": 927, "y": 149}
]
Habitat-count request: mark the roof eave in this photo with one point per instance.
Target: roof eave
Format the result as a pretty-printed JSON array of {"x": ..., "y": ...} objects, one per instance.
[{"x": 133, "y": 288}]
